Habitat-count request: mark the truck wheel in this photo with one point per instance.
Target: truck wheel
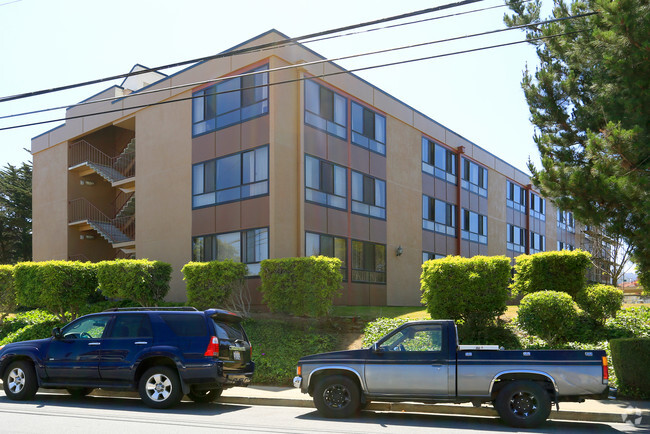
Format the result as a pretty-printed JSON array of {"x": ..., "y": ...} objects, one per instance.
[
  {"x": 337, "y": 396},
  {"x": 523, "y": 404},
  {"x": 160, "y": 387},
  {"x": 204, "y": 395},
  {"x": 19, "y": 381}
]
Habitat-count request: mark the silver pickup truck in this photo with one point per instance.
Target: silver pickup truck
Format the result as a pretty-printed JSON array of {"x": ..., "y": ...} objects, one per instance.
[{"x": 422, "y": 362}]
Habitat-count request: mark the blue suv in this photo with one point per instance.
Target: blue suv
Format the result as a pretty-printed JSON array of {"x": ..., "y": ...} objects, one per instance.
[{"x": 164, "y": 353}]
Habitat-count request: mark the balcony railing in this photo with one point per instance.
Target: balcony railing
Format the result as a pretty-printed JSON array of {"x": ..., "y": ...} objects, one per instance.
[
  {"x": 83, "y": 152},
  {"x": 116, "y": 230}
]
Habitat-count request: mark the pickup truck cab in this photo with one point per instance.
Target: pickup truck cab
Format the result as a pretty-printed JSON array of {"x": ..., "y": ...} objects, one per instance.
[{"x": 422, "y": 362}]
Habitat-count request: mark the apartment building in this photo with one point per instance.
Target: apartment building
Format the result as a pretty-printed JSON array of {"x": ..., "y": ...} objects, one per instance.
[{"x": 278, "y": 153}]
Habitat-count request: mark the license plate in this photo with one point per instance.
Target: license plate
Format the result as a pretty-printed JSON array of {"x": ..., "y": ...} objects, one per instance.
[{"x": 236, "y": 355}]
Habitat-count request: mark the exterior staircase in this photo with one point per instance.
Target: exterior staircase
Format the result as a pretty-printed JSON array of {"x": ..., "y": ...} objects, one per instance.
[
  {"x": 110, "y": 232},
  {"x": 117, "y": 231},
  {"x": 128, "y": 209},
  {"x": 113, "y": 169}
]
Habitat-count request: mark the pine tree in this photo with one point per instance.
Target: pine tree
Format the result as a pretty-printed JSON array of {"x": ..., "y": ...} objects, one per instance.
[
  {"x": 589, "y": 100},
  {"x": 16, "y": 213}
]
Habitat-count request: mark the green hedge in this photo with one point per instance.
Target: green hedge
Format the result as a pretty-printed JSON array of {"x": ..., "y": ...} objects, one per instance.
[
  {"x": 7, "y": 291},
  {"x": 141, "y": 280},
  {"x": 35, "y": 324},
  {"x": 58, "y": 286},
  {"x": 631, "y": 359},
  {"x": 301, "y": 286},
  {"x": 600, "y": 301},
  {"x": 210, "y": 284},
  {"x": 551, "y": 315},
  {"x": 474, "y": 290},
  {"x": 551, "y": 271}
]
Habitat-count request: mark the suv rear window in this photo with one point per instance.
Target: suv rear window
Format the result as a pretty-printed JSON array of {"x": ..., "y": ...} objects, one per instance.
[
  {"x": 230, "y": 331},
  {"x": 186, "y": 325}
]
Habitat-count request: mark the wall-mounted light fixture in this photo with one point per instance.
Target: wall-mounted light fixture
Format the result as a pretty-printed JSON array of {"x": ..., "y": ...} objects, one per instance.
[
  {"x": 86, "y": 182},
  {"x": 399, "y": 251},
  {"x": 86, "y": 237}
]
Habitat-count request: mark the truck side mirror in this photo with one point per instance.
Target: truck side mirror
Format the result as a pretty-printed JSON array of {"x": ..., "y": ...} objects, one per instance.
[
  {"x": 376, "y": 348},
  {"x": 56, "y": 333}
]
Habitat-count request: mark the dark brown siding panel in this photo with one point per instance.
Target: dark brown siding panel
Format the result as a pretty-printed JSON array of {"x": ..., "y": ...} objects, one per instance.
[
  {"x": 378, "y": 231},
  {"x": 315, "y": 218},
  {"x": 377, "y": 295},
  {"x": 360, "y": 159},
  {"x": 228, "y": 140},
  {"x": 451, "y": 192},
  {"x": 428, "y": 186},
  {"x": 255, "y": 212},
  {"x": 315, "y": 142},
  {"x": 358, "y": 294},
  {"x": 255, "y": 133},
  {"x": 203, "y": 221},
  {"x": 360, "y": 227},
  {"x": 337, "y": 150},
  {"x": 203, "y": 148},
  {"x": 429, "y": 242},
  {"x": 228, "y": 217},
  {"x": 377, "y": 165},
  {"x": 337, "y": 222}
]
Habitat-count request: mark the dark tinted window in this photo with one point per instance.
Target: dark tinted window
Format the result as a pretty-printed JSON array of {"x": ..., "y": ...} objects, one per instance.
[
  {"x": 229, "y": 331},
  {"x": 186, "y": 325},
  {"x": 131, "y": 326}
]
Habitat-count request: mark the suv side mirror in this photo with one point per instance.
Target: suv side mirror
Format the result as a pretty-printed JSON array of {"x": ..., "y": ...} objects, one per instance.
[{"x": 56, "y": 333}]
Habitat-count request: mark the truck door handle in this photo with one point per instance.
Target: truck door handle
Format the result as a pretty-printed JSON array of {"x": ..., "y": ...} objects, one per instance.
[
  {"x": 141, "y": 343},
  {"x": 93, "y": 344}
]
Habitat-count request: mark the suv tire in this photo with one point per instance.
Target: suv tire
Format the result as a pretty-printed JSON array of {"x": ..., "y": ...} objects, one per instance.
[
  {"x": 204, "y": 395},
  {"x": 523, "y": 404},
  {"x": 19, "y": 381},
  {"x": 160, "y": 387},
  {"x": 337, "y": 396}
]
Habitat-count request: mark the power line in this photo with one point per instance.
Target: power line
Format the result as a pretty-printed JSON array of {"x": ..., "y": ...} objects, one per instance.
[
  {"x": 365, "y": 68},
  {"x": 243, "y": 50},
  {"x": 367, "y": 53}
]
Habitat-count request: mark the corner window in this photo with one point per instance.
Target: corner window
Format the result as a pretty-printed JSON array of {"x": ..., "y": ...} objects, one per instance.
[
  {"x": 325, "y": 183},
  {"x": 230, "y": 102},
  {"x": 537, "y": 207},
  {"x": 438, "y": 216},
  {"x": 368, "y": 129},
  {"x": 537, "y": 243},
  {"x": 368, "y": 262},
  {"x": 326, "y": 109},
  {"x": 516, "y": 238},
  {"x": 474, "y": 177},
  {"x": 516, "y": 196},
  {"x": 231, "y": 178},
  {"x": 368, "y": 195},
  {"x": 565, "y": 221},
  {"x": 438, "y": 161},
  {"x": 474, "y": 227},
  {"x": 328, "y": 245},
  {"x": 427, "y": 256},
  {"x": 250, "y": 247}
]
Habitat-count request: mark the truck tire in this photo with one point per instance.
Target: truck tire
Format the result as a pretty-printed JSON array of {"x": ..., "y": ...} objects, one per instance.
[
  {"x": 337, "y": 396},
  {"x": 160, "y": 387},
  {"x": 19, "y": 381},
  {"x": 523, "y": 404}
]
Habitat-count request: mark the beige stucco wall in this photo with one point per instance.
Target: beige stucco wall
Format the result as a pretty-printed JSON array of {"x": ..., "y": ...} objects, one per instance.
[
  {"x": 50, "y": 203},
  {"x": 163, "y": 188},
  {"x": 496, "y": 213}
]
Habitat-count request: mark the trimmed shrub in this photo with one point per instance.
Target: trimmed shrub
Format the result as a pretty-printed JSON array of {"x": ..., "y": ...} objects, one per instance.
[
  {"x": 301, "y": 286},
  {"x": 141, "y": 280},
  {"x": 563, "y": 271},
  {"x": 35, "y": 324},
  {"x": 549, "y": 315},
  {"x": 7, "y": 291},
  {"x": 600, "y": 301},
  {"x": 58, "y": 286},
  {"x": 473, "y": 290},
  {"x": 631, "y": 358},
  {"x": 630, "y": 322},
  {"x": 211, "y": 284}
]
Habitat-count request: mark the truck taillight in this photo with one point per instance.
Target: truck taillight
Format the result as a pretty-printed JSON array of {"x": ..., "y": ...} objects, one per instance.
[
  {"x": 213, "y": 347},
  {"x": 250, "y": 346},
  {"x": 605, "y": 369}
]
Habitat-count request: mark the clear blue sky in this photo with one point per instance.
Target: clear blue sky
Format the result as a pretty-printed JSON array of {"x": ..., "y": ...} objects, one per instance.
[{"x": 47, "y": 43}]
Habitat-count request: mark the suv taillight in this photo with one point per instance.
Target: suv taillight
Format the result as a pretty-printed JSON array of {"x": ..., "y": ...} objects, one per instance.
[{"x": 213, "y": 347}]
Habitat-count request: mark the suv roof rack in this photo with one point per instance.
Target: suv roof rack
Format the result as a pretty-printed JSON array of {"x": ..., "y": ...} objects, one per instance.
[{"x": 123, "y": 309}]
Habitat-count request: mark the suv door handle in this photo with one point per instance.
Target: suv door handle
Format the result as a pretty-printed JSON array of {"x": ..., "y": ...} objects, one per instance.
[
  {"x": 93, "y": 343},
  {"x": 141, "y": 343}
]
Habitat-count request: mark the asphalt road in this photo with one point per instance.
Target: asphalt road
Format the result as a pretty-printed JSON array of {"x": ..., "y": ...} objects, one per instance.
[{"x": 53, "y": 413}]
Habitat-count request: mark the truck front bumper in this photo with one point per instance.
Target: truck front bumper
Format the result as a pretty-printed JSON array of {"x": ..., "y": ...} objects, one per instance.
[{"x": 297, "y": 382}]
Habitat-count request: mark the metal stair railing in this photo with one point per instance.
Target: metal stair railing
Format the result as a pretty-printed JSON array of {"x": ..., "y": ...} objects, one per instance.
[
  {"x": 112, "y": 229},
  {"x": 83, "y": 152}
]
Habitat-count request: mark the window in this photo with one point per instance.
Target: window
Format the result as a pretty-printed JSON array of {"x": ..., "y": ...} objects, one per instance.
[
  {"x": 368, "y": 262},
  {"x": 325, "y": 183},
  {"x": 250, "y": 247},
  {"x": 537, "y": 206},
  {"x": 565, "y": 221},
  {"x": 230, "y": 102},
  {"x": 537, "y": 243},
  {"x": 474, "y": 177},
  {"x": 326, "y": 110},
  {"x": 415, "y": 338},
  {"x": 474, "y": 227},
  {"x": 186, "y": 324},
  {"x": 427, "y": 256},
  {"x": 86, "y": 328},
  {"x": 438, "y": 161},
  {"x": 438, "y": 216},
  {"x": 516, "y": 197},
  {"x": 564, "y": 246},
  {"x": 231, "y": 178},
  {"x": 368, "y": 195},
  {"x": 328, "y": 245},
  {"x": 368, "y": 129},
  {"x": 131, "y": 326},
  {"x": 516, "y": 238}
]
